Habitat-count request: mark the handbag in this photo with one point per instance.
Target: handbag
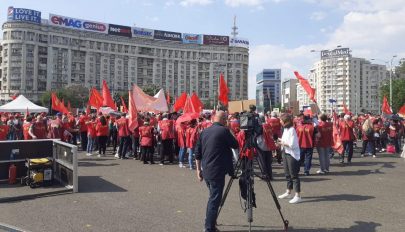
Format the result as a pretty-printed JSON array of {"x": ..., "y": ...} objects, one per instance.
[{"x": 390, "y": 148}]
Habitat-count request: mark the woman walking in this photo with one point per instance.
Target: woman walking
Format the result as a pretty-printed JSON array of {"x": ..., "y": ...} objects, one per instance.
[
  {"x": 102, "y": 135},
  {"x": 291, "y": 156}
]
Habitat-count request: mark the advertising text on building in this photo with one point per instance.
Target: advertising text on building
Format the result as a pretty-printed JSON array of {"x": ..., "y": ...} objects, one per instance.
[{"x": 25, "y": 15}]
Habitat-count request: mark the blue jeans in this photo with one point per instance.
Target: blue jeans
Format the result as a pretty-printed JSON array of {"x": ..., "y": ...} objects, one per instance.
[
  {"x": 348, "y": 149},
  {"x": 190, "y": 157},
  {"x": 90, "y": 143},
  {"x": 306, "y": 158},
  {"x": 216, "y": 187},
  {"x": 181, "y": 154}
]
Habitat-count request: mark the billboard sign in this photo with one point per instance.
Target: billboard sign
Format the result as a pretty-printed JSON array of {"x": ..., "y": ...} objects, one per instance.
[
  {"x": 119, "y": 30},
  {"x": 142, "y": 32},
  {"x": 340, "y": 52},
  {"x": 167, "y": 35},
  {"x": 24, "y": 15},
  {"x": 216, "y": 40},
  {"x": 239, "y": 42},
  {"x": 79, "y": 24},
  {"x": 192, "y": 38}
]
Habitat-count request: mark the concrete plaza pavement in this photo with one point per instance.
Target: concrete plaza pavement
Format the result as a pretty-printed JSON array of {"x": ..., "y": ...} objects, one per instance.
[{"x": 126, "y": 195}]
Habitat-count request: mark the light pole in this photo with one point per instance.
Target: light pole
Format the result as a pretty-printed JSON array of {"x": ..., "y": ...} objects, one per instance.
[{"x": 390, "y": 62}]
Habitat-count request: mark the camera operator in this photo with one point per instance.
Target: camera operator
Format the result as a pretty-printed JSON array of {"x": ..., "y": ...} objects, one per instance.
[{"x": 214, "y": 161}]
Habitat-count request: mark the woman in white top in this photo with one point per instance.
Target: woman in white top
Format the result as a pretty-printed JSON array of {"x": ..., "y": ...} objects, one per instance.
[{"x": 291, "y": 156}]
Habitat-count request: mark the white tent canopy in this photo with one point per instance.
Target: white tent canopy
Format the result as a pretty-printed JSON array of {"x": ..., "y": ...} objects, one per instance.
[{"x": 21, "y": 104}]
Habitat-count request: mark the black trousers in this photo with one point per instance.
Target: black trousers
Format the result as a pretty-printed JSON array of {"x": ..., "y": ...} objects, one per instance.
[
  {"x": 216, "y": 188},
  {"x": 291, "y": 170},
  {"x": 102, "y": 144},
  {"x": 125, "y": 142},
  {"x": 166, "y": 150},
  {"x": 147, "y": 154},
  {"x": 348, "y": 149},
  {"x": 135, "y": 146},
  {"x": 265, "y": 159},
  {"x": 83, "y": 139}
]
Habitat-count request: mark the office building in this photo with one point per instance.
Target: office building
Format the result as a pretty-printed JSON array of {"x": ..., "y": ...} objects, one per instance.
[
  {"x": 288, "y": 93},
  {"x": 268, "y": 89}
]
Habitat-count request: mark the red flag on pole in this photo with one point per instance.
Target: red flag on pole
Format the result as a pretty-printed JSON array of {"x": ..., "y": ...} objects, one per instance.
[
  {"x": 307, "y": 87},
  {"x": 386, "y": 109},
  {"x": 107, "y": 99},
  {"x": 188, "y": 106},
  {"x": 179, "y": 104},
  {"x": 133, "y": 113},
  {"x": 223, "y": 90},
  {"x": 402, "y": 110},
  {"x": 198, "y": 105},
  {"x": 168, "y": 98},
  {"x": 124, "y": 106},
  {"x": 345, "y": 110},
  {"x": 88, "y": 109},
  {"x": 56, "y": 103},
  {"x": 95, "y": 99}
]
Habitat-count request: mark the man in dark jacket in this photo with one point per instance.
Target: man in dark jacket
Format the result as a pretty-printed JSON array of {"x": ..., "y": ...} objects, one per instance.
[{"x": 214, "y": 161}]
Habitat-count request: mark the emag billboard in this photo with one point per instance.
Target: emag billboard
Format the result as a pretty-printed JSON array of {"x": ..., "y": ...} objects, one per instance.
[
  {"x": 192, "y": 38},
  {"x": 25, "y": 15},
  {"x": 216, "y": 40},
  {"x": 80, "y": 24},
  {"x": 167, "y": 35}
]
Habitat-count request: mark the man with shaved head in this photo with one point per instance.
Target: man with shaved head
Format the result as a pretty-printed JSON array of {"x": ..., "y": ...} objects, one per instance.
[{"x": 214, "y": 161}]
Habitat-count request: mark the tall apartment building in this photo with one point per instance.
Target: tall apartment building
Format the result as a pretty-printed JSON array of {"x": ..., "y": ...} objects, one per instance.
[
  {"x": 354, "y": 82},
  {"x": 268, "y": 89},
  {"x": 288, "y": 93},
  {"x": 41, "y": 55},
  {"x": 302, "y": 96}
]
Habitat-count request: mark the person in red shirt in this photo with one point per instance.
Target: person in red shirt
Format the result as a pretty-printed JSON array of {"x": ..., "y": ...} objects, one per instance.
[
  {"x": 306, "y": 137},
  {"x": 124, "y": 134},
  {"x": 102, "y": 135},
  {"x": 38, "y": 129},
  {"x": 346, "y": 130},
  {"x": 26, "y": 128},
  {"x": 181, "y": 142},
  {"x": 191, "y": 141},
  {"x": 166, "y": 129},
  {"x": 275, "y": 124},
  {"x": 135, "y": 140},
  {"x": 91, "y": 134},
  {"x": 324, "y": 143},
  {"x": 207, "y": 123},
  {"x": 266, "y": 146},
  {"x": 83, "y": 130},
  {"x": 3, "y": 131},
  {"x": 146, "y": 133}
]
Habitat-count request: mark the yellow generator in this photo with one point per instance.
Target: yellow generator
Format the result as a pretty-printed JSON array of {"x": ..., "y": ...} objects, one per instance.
[{"x": 39, "y": 172}]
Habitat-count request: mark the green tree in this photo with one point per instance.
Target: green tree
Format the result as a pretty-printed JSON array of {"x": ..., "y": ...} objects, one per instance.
[
  {"x": 398, "y": 93},
  {"x": 76, "y": 94},
  {"x": 151, "y": 90}
]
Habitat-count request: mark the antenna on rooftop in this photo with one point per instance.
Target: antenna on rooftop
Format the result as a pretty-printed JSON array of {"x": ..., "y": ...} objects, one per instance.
[{"x": 234, "y": 28}]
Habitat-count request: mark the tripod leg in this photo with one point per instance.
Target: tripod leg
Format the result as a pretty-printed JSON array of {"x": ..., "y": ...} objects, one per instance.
[
  {"x": 228, "y": 187},
  {"x": 275, "y": 199}
]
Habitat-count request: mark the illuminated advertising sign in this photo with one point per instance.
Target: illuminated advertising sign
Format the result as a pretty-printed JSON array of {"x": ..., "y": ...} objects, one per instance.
[
  {"x": 335, "y": 53},
  {"x": 25, "y": 15},
  {"x": 80, "y": 24},
  {"x": 167, "y": 35},
  {"x": 142, "y": 32},
  {"x": 119, "y": 30},
  {"x": 239, "y": 42},
  {"x": 216, "y": 40},
  {"x": 192, "y": 38}
]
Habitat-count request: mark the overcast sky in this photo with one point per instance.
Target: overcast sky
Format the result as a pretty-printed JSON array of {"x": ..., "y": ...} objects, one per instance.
[{"x": 281, "y": 32}]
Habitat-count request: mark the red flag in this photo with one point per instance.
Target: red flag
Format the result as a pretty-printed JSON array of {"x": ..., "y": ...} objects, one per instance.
[
  {"x": 124, "y": 106},
  {"x": 179, "y": 104},
  {"x": 386, "y": 109},
  {"x": 402, "y": 110},
  {"x": 198, "y": 105},
  {"x": 307, "y": 87},
  {"x": 69, "y": 108},
  {"x": 88, "y": 109},
  {"x": 133, "y": 113},
  {"x": 107, "y": 99},
  {"x": 95, "y": 98},
  {"x": 223, "y": 90},
  {"x": 188, "y": 106},
  {"x": 308, "y": 112},
  {"x": 168, "y": 98},
  {"x": 56, "y": 103}
]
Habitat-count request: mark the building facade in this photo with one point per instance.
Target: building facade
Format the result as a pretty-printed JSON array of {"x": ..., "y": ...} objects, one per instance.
[
  {"x": 43, "y": 55},
  {"x": 350, "y": 81},
  {"x": 268, "y": 89},
  {"x": 289, "y": 93}
]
